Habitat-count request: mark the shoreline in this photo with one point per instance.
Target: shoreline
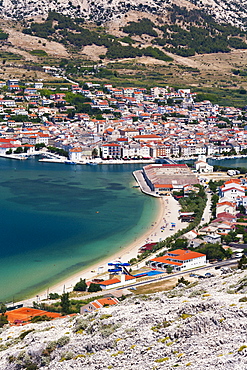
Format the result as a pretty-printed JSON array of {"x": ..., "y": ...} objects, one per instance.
[
  {"x": 167, "y": 211},
  {"x": 126, "y": 253}
]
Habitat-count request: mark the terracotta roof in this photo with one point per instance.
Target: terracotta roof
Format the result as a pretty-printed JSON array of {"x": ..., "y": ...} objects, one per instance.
[
  {"x": 164, "y": 260},
  {"x": 110, "y": 281}
]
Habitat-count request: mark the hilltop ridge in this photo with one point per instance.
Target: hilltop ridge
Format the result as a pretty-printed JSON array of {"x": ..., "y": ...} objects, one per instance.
[{"x": 234, "y": 11}]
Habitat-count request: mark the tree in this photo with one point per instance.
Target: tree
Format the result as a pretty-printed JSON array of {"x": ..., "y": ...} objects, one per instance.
[
  {"x": 18, "y": 150},
  {"x": 65, "y": 303},
  {"x": 3, "y": 308},
  {"x": 169, "y": 269},
  {"x": 3, "y": 320},
  {"x": 9, "y": 151},
  {"x": 81, "y": 286},
  {"x": 94, "y": 152},
  {"x": 230, "y": 237},
  {"x": 94, "y": 288},
  {"x": 213, "y": 251},
  {"x": 183, "y": 281},
  {"x": 179, "y": 244},
  {"x": 242, "y": 263},
  {"x": 53, "y": 296},
  {"x": 39, "y": 146}
]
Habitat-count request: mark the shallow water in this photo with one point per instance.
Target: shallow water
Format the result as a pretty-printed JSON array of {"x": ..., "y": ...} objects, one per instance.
[{"x": 57, "y": 219}]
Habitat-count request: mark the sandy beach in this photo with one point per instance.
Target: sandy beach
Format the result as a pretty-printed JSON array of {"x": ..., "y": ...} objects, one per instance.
[{"x": 159, "y": 229}]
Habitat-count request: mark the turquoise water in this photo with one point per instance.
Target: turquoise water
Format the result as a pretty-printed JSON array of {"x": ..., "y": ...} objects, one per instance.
[
  {"x": 57, "y": 219},
  {"x": 237, "y": 162}
]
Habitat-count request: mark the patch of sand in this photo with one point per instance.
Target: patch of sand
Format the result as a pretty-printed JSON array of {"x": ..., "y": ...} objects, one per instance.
[
  {"x": 28, "y": 42},
  {"x": 93, "y": 51}
]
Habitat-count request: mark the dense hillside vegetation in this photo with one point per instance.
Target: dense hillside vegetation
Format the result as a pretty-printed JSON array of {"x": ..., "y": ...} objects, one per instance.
[{"x": 185, "y": 33}]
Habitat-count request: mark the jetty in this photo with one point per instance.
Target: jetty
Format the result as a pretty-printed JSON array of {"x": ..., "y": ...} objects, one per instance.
[{"x": 140, "y": 179}]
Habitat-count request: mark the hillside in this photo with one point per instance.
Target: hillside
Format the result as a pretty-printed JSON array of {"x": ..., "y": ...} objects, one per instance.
[
  {"x": 199, "y": 326},
  {"x": 182, "y": 47}
]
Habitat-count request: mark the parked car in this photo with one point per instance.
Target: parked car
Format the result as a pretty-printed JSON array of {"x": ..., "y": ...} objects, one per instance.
[{"x": 208, "y": 274}]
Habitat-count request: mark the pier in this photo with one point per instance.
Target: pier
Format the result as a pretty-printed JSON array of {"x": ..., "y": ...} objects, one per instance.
[{"x": 138, "y": 175}]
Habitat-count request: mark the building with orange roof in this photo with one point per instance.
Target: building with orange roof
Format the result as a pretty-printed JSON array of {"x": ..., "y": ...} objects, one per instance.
[
  {"x": 98, "y": 303},
  {"x": 179, "y": 260},
  {"x": 117, "y": 281},
  {"x": 168, "y": 176},
  {"x": 225, "y": 206}
]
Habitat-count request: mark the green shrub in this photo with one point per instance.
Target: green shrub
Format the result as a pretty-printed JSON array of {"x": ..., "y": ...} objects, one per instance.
[
  {"x": 162, "y": 359},
  {"x": 39, "y": 53},
  {"x": 243, "y": 299},
  {"x": 62, "y": 341},
  {"x": 25, "y": 333}
]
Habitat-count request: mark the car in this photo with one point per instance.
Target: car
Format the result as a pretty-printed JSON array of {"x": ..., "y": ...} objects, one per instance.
[
  {"x": 201, "y": 277},
  {"x": 208, "y": 274},
  {"x": 217, "y": 267},
  {"x": 193, "y": 275}
]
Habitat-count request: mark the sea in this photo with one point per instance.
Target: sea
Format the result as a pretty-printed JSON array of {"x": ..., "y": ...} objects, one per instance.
[{"x": 58, "y": 219}]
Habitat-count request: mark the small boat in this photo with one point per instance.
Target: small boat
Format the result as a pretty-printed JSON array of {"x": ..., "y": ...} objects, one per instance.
[
  {"x": 69, "y": 162},
  {"x": 92, "y": 163}
]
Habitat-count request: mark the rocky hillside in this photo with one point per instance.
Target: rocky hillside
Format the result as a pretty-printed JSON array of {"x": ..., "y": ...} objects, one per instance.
[
  {"x": 199, "y": 326},
  {"x": 233, "y": 11}
]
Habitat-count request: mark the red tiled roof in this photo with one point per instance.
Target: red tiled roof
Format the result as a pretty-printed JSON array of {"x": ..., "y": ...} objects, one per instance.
[
  {"x": 164, "y": 260},
  {"x": 110, "y": 281}
]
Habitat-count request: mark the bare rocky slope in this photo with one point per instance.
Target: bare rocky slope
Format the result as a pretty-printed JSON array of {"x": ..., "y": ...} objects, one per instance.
[
  {"x": 200, "y": 326},
  {"x": 233, "y": 11}
]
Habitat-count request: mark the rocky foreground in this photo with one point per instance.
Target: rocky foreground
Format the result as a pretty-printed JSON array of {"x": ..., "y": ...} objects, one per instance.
[{"x": 200, "y": 326}]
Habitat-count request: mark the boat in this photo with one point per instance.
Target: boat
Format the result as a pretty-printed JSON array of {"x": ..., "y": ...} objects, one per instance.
[
  {"x": 69, "y": 162},
  {"x": 92, "y": 163}
]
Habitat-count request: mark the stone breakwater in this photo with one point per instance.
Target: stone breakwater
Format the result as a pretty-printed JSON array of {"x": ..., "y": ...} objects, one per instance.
[{"x": 200, "y": 326}]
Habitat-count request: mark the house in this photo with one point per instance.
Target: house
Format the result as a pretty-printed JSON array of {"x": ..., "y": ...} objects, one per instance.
[
  {"x": 233, "y": 193},
  {"x": 213, "y": 238},
  {"x": 179, "y": 260},
  {"x": 147, "y": 247},
  {"x": 195, "y": 243},
  {"x": 225, "y": 206},
  {"x": 203, "y": 166},
  {"x": 111, "y": 150},
  {"x": 223, "y": 227},
  {"x": 75, "y": 154},
  {"x": 98, "y": 303},
  {"x": 117, "y": 282}
]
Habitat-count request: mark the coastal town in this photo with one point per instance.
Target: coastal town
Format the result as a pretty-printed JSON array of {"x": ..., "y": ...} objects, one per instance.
[
  {"x": 200, "y": 232},
  {"x": 96, "y": 122}
]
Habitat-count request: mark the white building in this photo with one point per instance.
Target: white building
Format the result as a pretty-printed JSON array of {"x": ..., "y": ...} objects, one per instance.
[
  {"x": 117, "y": 281},
  {"x": 225, "y": 206},
  {"x": 179, "y": 260},
  {"x": 203, "y": 167},
  {"x": 75, "y": 154}
]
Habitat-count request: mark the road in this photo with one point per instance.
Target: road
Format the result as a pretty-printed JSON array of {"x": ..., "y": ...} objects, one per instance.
[
  {"x": 207, "y": 212},
  {"x": 166, "y": 277}
]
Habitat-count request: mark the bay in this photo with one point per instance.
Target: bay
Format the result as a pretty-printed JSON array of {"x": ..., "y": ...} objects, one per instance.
[
  {"x": 231, "y": 162},
  {"x": 56, "y": 219}
]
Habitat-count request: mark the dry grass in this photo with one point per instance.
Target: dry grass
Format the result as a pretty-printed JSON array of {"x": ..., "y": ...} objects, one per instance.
[
  {"x": 157, "y": 287},
  {"x": 210, "y": 70}
]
